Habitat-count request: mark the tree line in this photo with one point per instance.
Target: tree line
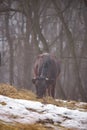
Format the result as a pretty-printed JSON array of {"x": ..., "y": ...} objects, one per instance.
[{"x": 30, "y": 27}]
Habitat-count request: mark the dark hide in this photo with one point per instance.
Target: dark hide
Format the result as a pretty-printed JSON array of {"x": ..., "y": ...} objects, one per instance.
[{"x": 46, "y": 70}]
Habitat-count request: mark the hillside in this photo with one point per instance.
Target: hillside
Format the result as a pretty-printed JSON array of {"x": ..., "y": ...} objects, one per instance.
[{"x": 21, "y": 110}]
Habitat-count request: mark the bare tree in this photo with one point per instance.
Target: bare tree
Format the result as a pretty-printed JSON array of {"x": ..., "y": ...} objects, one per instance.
[
  {"x": 55, "y": 26},
  {"x": 11, "y": 51}
]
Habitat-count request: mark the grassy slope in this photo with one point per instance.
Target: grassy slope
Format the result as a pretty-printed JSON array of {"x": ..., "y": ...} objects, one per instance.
[{"x": 11, "y": 91}]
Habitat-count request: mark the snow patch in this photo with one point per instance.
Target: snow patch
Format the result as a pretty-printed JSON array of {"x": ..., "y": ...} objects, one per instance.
[{"x": 26, "y": 111}]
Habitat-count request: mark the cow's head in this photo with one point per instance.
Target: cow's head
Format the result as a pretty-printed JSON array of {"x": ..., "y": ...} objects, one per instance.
[{"x": 41, "y": 84}]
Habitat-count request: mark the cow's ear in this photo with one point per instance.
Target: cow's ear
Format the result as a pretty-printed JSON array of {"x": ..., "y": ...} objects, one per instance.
[{"x": 33, "y": 80}]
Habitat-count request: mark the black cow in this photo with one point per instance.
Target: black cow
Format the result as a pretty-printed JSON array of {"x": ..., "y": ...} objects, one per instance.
[{"x": 46, "y": 70}]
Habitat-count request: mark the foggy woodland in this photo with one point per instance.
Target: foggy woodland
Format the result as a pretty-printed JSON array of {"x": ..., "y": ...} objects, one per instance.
[{"x": 30, "y": 27}]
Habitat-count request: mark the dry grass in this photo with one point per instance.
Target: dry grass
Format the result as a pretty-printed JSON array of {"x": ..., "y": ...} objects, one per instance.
[
  {"x": 3, "y": 103},
  {"x": 68, "y": 104},
  {"x": 37, "y": 126},
  {"x": 11, "y": 91},
  {"x": 5, "y": 126}
]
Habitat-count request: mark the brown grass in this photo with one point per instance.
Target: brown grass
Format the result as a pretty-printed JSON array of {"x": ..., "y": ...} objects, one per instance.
[
  {"x": 3, "y": 103},
  {"x": 11, "y": 91},
  {"x": 5, "y": 126},
  {"x": 37, "y": 126}
]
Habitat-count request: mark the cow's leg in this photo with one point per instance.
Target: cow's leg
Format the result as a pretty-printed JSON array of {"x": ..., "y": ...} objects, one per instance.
[
  {"x": 49, "y": 90},
  {"x": 53, "y": 91}
]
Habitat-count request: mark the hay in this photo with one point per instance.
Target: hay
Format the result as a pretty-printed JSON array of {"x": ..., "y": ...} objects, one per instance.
[
  {"x": 11, "y": 91},
  {"x": 6, "y": 126},
  {"x": 6, "y": 90}
]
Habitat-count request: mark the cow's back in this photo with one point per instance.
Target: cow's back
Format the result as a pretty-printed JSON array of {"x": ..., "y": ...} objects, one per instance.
[{"x": 46, "y": 65}]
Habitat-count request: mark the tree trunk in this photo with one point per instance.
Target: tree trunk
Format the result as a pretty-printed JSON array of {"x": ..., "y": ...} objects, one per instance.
[
  {"x": 11, "y": 51},
  {"x": 37, "y": 28},
  {"x": 72, "y": 48}
]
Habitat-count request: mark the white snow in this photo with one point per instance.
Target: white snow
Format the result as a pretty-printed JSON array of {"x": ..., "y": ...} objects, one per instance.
[{"x": 26, "y": 111}]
